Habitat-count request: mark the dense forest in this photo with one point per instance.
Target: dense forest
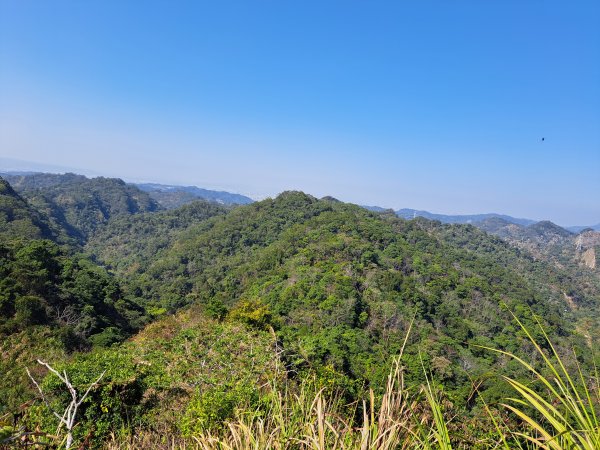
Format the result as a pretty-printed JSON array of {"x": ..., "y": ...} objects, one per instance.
[{"x": 203, "y": 323}]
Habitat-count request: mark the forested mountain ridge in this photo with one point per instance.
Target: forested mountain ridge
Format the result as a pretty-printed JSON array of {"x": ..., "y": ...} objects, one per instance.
[
  {"x": 52, "y": 299},
  {"x": 18, "y": 218},
  {"x": 540, "y": 233},
  {"x": 341, "y": 284},
  {"x": 79, "y": 204},
  {"x": 28, "y": 181},
  {"x": 544, "y": 239},
  {"x": 549, "y": 241},
  {"x": 130, "y": 243}
]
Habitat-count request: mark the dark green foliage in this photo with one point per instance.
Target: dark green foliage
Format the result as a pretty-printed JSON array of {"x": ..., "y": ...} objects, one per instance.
[
  {"x": 41, "y": 285},
  {"x": 29, "y": 310},
  {"x": 67, "y": 299},
  {"x": 80, "y": 205},
  {"x": 129, "y": 243},
  {"x": 18, "y": 219}
]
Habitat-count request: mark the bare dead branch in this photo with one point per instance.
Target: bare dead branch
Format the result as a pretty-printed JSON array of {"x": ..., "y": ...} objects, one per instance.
[{"x": 70, "y": 413}]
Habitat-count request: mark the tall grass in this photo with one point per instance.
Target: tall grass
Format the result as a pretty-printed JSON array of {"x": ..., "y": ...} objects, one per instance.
[
  {"x": 309, "y": 420},
  {"x": 438, "y": 435},
  {"x": 562, "y": 413}
]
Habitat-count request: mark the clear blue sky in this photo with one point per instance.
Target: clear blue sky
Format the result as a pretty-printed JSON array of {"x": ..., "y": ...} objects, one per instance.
[{"x": 437, "y": 105}]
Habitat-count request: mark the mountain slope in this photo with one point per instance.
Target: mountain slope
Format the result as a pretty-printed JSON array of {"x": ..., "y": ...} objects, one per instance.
[
  {"x": 539, "y": 234},
  {"x": 78, "y": 204},
  {"x": 548, "y": 241},
  {"x": 129, "y": 243},
  {"x": 341, "y": 285},
  {"x": 18, "y": 219},
  {"x": 317, "y": 292},
  {"x": 53, "y": 302},
  {"x": 52, "y": 299},
  {"x": 182, "y": 374}
]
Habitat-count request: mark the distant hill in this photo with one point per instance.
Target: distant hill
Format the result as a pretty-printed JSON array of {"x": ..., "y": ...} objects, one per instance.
[
  {"x": 548, "y": 241},
  {"x": 407, "y": 213},
  {"x": 79, "y": 204},
  {"x": 27, "y": 181},
  {"x": 170, "y": 196},
  {"x": 573, "y": 245},
  {"x": 579, "y": 229},
  {"x": 375, "y": 208},
  {"x": 18, "y": 219},
  {"x": 540, "y": 233}
]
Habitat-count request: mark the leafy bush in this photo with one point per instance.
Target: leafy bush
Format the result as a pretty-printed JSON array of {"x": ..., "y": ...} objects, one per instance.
[
  {"x": 252, "y": 312},
  {"x": 209, "y": 409}
]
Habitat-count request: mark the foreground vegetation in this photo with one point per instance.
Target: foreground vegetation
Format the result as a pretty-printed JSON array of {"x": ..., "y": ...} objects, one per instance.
[
  {"x": 289, "y": 323},
  {"x": 265, "y": 407}
]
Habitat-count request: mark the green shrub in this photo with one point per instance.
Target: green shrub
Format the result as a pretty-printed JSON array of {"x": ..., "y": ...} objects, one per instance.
[
  {"x": 208, "y": 410},
  {"x": 252, "y": 312}
]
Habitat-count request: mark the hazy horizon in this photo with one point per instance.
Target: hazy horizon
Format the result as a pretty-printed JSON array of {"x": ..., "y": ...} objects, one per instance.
[
  {"x": 11, "y": 165},
  {"x": 433, "y": 106}
]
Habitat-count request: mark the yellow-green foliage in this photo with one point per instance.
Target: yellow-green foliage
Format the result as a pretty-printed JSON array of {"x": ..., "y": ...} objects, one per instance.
[{"x": 252, "y": 312}]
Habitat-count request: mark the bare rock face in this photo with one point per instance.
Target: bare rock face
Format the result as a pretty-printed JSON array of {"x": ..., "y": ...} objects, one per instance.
[
  {"x": 587, "y": 244},
  {"x": 545, "y": 240},
  {"x": 588, "y": 238},
  {"x": 589, "y": 258}
]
